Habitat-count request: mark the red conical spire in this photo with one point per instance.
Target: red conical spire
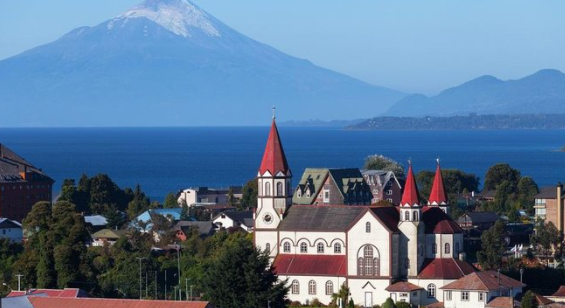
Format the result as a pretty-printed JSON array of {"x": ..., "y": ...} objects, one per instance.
[
  {"x": 437, "y": 195},
  {"x": 410, "y": 195},
  {"x": 274, "y": 159}
]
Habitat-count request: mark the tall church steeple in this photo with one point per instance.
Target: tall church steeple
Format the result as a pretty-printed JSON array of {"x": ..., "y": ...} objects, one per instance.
[
  {"x": 274, "y": 192},
  {"x": 438, "y": 196}
]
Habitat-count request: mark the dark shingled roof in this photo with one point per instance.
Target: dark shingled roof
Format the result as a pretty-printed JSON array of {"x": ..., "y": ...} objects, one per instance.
[
  {"x": 403, "y": 286},
  {"x": 388, "y": 215},
  {"x": 242, "y": 217},
  {"x": 438, "y": 222},
  {"x": 11, "y": 164},
  {"x": 480, "y": 217},
  {"x": 321, "y": 218},
  {"x": 549, "y": 192}
]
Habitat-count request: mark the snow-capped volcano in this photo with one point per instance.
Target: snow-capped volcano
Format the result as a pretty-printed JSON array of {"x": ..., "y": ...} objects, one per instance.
[
  {"x": 178, "y": 16},
  {"x": 168, "y": 62}
]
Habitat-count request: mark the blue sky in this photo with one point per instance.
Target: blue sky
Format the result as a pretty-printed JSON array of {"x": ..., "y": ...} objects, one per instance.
[{"x": 412, "y": 45}]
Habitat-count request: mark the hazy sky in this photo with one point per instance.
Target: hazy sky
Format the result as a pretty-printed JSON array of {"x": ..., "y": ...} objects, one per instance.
[{"x": 414, "y": 46}]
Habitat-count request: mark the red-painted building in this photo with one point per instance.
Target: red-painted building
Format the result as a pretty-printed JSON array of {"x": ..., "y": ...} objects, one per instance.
[{"x": 21, "y": 185}]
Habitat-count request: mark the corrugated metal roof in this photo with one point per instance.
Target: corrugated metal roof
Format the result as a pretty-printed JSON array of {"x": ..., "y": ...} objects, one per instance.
[
  {"x": 403, "y": 286},
  {"x": 320, "y": 218},
  {"x": 46, "y": 302},
  {"x": 484, "y": 281},
  {"x": 310, "y": 265},
  {"x": 447, "y": 268}
]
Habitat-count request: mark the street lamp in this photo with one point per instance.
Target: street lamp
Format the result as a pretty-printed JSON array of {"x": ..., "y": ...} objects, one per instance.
[
  {"x": 178, "y": 269},
  {"x": 140, "y": 258}
]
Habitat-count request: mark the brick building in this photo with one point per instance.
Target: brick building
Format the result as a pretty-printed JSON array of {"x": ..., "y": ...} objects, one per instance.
[
  {"x": 384, "y": 185},
  {"x": 322, "y": 186},
  {"x": 549, "y": 205},
  {"x": 21, "y": 185}
]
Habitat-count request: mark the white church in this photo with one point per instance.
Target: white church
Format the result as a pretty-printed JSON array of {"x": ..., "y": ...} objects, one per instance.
[{"x": 408, "y": 253}]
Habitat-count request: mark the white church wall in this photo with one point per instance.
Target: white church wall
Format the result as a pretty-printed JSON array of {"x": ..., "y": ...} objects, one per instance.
[
  {"x": 304, "y": 295},
  {"x": 425, "y": 283},
  {"x": 262, "y": 238},
  {"x": 369, "y": 291},
  {"x": 378, "y": 237},
  {"x": 328, "y": 239}
]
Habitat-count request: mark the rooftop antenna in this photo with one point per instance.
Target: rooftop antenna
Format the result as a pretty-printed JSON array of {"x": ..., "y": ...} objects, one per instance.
[{"x": 274, "y": 111}]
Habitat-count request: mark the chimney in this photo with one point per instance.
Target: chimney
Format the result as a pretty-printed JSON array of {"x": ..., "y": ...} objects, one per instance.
[
  {"x": 559, "y": 203},
  {"x": 463, "y": 256}
]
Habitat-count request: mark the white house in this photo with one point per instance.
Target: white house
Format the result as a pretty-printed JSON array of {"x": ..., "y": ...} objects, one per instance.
[
  {"x": 11, "y": 229},
  {"x": 318, "y": 248},
  {"x": 234, "y": 219}
]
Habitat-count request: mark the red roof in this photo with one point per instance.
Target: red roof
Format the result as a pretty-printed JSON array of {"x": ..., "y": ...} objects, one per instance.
[
  {"x": 484, "y": 281},
  {"x": 67, "y": 293},
  {"x": 448, "y": 268},
  {"x": 410, "y": 195},
  {"x": 50, "y": 302},
  {"x": 310, "y": 265},
  {"x": 437, "y": 195},
  {"x": 503, "y": 302},
  {"x": 274, "y": 159},
  {"x": 403, "y": 286},
  {"x": 438, "y": 222},
  {"x": 560, "y": 292}
]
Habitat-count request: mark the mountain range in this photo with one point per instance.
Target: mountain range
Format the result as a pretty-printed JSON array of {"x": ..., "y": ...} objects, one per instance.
[
  {"x": 539, "y": 93},
  {"x": 169, "y": 63}
]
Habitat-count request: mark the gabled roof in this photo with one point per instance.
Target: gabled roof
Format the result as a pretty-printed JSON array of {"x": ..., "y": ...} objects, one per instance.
[
  {"x": 542, "y": 300},
  {"x": 388, "y": 215},
  {"x": 146, "y": 216},
  {"x": 549, "y": 192},
  {"x": 560, "y": 292},
  {"x": 203, "y": 227},
  {"x": 437, "y": 194},
  {"x": 410, "y": 196},
  {"x": 16, "y": 302},
  {"x": 503, "y": 302},
  {"x": 66, "y": 293},
  {"x": 479, "y": 217},
  {"x": 242, "y": 217},
  {"x": 12, "y": 165},
  {"x": 438, "y": 222},
  {"x": 274, "y": 159},
  {"x": 382, "y": 176},
  {"x": 108, "y": 233},
  {"x": 320, "y": 218},
  {"x": 403, "y": 286},
  {"x": 6, "y": 223},
  {"x": 484, "y": 281},
  {"x": 46, "y": 302},
  {"x": 322, "y": 265},
  {"x": 447, "y": 268},
  {"x": 312, "y": 179},
  {"x": 349, "y": 179}
]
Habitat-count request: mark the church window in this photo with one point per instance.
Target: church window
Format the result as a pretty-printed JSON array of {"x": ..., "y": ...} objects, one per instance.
[
  {"x": 448, "y": 295},
  {"x": 329, "y": 288},
  {"x": 267, "y": 189},
  {"x": 337, "y": 248},
  {"x": 295, "y": 287},
  {"x": 407, "y": 215},
  {"x": 415, "y": 216},
  {"x": 280, "y": 191},
  {"x": 447, "y": 248},
  {"x": 465, "y": 296},
  {"x": 303, "y": 247},
  {"x": 368, "y": 227},
  {"x": 434, "y": 248},
  {"x": 320, "y": 247},
  {"x": 481, "y": 297},
  {"x": 268, "y": 248},
  {"x": 312, "y": 287},
  {"x": 286, "y": 247},
  {"x": 326, "y": 195},
  {"x": 431, "y": 290}
]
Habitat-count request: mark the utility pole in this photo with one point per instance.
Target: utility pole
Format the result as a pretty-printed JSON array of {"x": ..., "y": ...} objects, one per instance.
[
  {"x": 146, "y": 288},
  {"x": 165, "y": 284},
  {"x": 156, "y": 285},
  {"x": 186, "y": 287},
  {"x": 140, "y": 259},
  {"x": 178, "y": 268},
  {"x": 19, "y": 281}
]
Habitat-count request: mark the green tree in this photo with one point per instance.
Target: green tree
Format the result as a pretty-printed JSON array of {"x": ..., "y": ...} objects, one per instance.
[
  {"x": 504, "y": 197},
  {"x": 351, "y": 304},
  {"x": 546, "y": 238},
  {"x": 9, "y": 252},
  {"x": 492, "y": 243},
  {"x": 403, "y": 305},
  {"x": 171, "y": 201},
  {"x": 501, "y": 172},
  {"x": 247, "y": 278},
  {"x": 529, "y": 300},
  {"x": 342, "y": 294},
  {"x": 249, "y": 197},
  {"x": 185, "y": 213},
  {"x": 527, "y": 189},
  {"x": 389, "y": 303},
  {"x": 380, "y": 162},
  {"x": 139, "y": 204},
  {"x": 231, "y": 198},
  {"x": 454, "y": 180},
  {"x": 114, "y": 217}
]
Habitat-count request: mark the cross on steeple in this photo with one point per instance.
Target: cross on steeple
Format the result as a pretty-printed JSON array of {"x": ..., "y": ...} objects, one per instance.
[{"x": 274, "y": 111}]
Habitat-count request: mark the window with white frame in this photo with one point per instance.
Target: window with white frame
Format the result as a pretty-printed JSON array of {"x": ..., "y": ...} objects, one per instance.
[
  {"x": 268, "y": 248},
  {"x": 368, "y": 227},
  {"x": 329, "y": 288},
  {"x": 326, "y": 195},
  {"x": 286, "y": 247},
  {"x": 267, "y": 189},
  {"x": 280, "y": 190},
  {"x": 431, "y": 290},
  {"x": 295, "y": 287},
  {"x": 447, "y": 248},
  {"x": 303, "y": 247},
  {"x": 481, "y": 297},
  {"x": 320, "y": 247},
  {"x": 337, "y": 248},
  {"x": 465, "y": 296},
  {"x": 415, "y": 216},
  {"x": 312, "y": 287},
  {"x": 447, "y": 295}
]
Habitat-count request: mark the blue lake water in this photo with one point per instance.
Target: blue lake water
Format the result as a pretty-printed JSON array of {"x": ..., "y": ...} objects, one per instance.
[{"x": 169, "y": 159}]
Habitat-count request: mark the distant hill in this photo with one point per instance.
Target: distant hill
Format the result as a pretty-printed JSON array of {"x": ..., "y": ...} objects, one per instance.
[
  {"x": 167, "y": 62},
  {"x": 469, "y": 122},
  {"x": 542, "y": 92}
]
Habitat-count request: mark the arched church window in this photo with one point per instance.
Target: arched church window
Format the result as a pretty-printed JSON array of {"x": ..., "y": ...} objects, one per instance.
[
  {"x": 312, "y": 287},
  {"x": 368, "y": 263},
  {"x": 303, "y": 247},
  {"x": 329, "y": 288},
  {"x": 447, "y": 248},
  {"x": 407, "y": 216},
  {"x": 431, "y": 290},
  {"x": 368, "y": 227},
  {"x": 267, "y": 189},
  {"x": 415, "y": 216},
  {"x": 268, "y": 248},
  {"x": 280, "y": 191},
  {"x": 295, "y": 287},
  {"x": 286, "y": 247},
  {"x": 337, "y": 248}
]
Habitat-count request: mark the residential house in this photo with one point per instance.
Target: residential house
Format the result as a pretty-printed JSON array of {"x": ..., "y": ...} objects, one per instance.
[
  {"x": 322, "y": 186},
  {"x": 467, "y": 200},
  {"x": 487, "y": 195},
  {"x": 482, "y": 290},
  {"x": 183, "y": 228},
  {"x": 235, "y": 219},
  {"x": 404, "y": 291},
  {"x": 205, "y": 195},
  {"x": 478, "y": 220},
  {"x": 106, "y": 236},
  {"x": 21, "y": 185},
  {"x": 384, "y": 185},
  {"x": 96, "y": 222},
  {"x": 144, "y": 222},
  {"x": 548, "y": 205},
  {"x": 11, "y": 229}
]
